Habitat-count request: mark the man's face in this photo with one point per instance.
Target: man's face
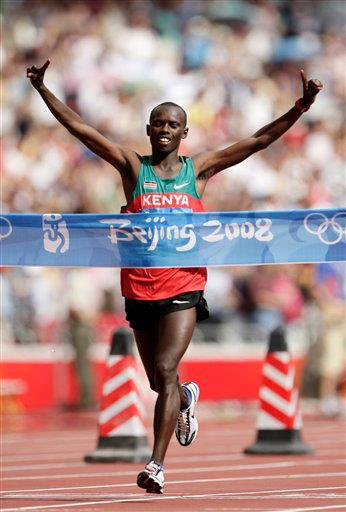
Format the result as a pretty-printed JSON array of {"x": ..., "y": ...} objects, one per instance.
[{"x": 166, "y": 129}]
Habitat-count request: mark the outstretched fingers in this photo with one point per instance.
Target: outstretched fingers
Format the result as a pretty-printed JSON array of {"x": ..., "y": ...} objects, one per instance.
[
  {"x": 45, "y": 66},
  {"x": 30, "y": 72},
  {"x": 304, "y": 79},
  {"x": 310, "y": 88}
]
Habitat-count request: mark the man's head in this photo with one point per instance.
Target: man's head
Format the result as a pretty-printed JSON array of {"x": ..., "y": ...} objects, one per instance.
[{"x": 167, "y": 126}]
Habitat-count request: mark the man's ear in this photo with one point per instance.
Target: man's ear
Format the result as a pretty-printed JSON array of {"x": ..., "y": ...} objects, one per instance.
[
  {"x": 186, "y": 131},
  {"x": 148, "y": 129}
]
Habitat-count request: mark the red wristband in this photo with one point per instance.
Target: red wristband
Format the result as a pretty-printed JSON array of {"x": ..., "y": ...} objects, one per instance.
[{"x": 298, "y": 104}]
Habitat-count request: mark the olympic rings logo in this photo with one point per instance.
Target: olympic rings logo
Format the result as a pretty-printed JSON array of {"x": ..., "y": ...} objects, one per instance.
[
  {"x": 318, "y": 224},
  {"x": 7, "y": 227}
]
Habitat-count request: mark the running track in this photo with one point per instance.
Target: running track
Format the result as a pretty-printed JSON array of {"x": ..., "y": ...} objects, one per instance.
[{"x": 42, "y": 470}]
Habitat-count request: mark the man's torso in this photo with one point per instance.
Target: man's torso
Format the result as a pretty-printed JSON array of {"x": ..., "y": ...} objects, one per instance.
[{"x": 154, "y": 193}]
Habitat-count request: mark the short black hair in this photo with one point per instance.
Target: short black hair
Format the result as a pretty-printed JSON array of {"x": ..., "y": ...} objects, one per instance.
[{"x": 168, "y": 104}]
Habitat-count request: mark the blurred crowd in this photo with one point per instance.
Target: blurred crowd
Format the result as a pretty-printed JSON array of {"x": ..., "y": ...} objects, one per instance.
[{"x": 234, "y": 66}]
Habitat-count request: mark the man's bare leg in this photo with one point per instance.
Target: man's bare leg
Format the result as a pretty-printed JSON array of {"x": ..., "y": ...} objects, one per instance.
[
  {"x": 175, "y": 333},
  {"x": 146, "y": 342}
]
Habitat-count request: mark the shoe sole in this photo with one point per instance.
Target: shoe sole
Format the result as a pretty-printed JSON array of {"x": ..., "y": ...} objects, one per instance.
[{"x": 147, "y": 482}]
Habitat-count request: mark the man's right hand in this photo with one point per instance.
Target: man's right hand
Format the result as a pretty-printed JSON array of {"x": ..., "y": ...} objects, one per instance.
[
  {"x": 124, "y": 160},
  {"x": 36, "y": 75}
]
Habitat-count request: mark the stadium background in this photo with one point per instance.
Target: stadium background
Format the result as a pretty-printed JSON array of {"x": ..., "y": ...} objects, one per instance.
[{"x": 234, "y": 65}]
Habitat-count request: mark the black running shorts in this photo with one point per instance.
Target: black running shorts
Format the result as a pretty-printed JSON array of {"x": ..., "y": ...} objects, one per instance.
[{"x": 144, "y": 315}]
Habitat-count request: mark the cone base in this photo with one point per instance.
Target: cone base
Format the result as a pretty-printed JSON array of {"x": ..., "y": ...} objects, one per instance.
[
  {"x": 120, "y": 449},
  {"x": 118, "y": 455},
  {"x": 279, "y": 442},
  {"x": 279, "y": 449}
]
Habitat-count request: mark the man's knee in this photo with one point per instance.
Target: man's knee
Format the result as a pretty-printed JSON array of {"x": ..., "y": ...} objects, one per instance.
[{"x": 165, "y": 374}]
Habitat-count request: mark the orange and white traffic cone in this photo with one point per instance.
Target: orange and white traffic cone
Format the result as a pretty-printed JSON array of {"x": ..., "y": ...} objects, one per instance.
[
  {"x": 122, "y": 432},
  {"x": 279, "y": 421}
]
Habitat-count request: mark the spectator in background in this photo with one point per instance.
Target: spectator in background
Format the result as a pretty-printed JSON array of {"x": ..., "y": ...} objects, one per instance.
[
  {"x": 331, "y": 300},
  {"x": 80, "y": 336},
  {"x": 323, "y": 287}
]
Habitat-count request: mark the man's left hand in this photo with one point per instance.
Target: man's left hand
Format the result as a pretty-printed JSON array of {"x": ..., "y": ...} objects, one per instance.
[{"x": 310, "y": 89}]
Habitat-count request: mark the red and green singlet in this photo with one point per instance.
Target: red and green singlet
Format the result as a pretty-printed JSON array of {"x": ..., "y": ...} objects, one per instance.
[{"x": 176, "y": 194}]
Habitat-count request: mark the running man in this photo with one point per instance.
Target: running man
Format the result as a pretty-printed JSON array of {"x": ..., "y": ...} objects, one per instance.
[{"x": 163, "y": 305}]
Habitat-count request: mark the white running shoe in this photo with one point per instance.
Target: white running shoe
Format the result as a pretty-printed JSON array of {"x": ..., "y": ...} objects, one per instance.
[
  {"x": 187, "y": 425},
  {"x": 152, "y": 478}
]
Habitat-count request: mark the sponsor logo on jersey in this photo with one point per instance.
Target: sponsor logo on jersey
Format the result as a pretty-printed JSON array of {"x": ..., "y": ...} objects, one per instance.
[
  {"x": 177, "y": 187},
  {"x": 150, "y": 184}
]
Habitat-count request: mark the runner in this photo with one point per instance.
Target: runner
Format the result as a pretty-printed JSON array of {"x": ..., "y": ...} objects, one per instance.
[{"x": 163, "y": 305}]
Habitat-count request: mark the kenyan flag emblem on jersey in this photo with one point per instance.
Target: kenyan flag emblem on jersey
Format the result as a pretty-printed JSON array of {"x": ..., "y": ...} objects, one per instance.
[{"x": 152, "y": 185}]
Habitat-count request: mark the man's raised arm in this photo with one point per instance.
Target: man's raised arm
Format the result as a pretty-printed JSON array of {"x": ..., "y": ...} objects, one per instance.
[
  {"x": 210, "y": 163},
  {"x": 121, "y": 158}
]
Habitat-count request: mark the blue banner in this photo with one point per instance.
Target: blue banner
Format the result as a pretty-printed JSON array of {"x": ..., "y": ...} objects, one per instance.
[{"x": 158, "y": 239}]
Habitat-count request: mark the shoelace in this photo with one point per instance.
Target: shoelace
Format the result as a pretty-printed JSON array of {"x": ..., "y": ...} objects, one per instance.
[
  {"x": 183, "y": 422},
  {"x": 149, "y": 468}
]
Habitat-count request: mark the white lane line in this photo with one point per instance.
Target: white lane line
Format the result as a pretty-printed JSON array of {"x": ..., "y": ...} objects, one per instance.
[
  {"x": 238, "y": 467},
  {"x": 37, "y": 447},
  {"x": 56, "y": 448},
  {"x": 176, "y": 470},
  {"x": 196, "y": 457},
  {"x": 273, "y": 494},
  {"x": 122, "y": 495},
  {"x": 90, "y": 444},
  {"x": 59, "y": 435},
  {"x": 311, "y": 509},
  {"x": 227, "y": 429},
  {"x": 212, "y": 458},
  {"x": 192, "y": 458},
  {"x": 141, "y": 498},
  {"x": 9, "y": 493},
  {"x": 69, "y": 497},
  {"x": 41, "y": 457},
  {"x": 336, "y": 442},
  {"x": 205, "y": 480},
  {"x": 84, "y": 437},
  {"x": 39, "y": 437},
  {"x": 38, "y": 451},
  {"x": 78, "y": 504},
  {"x": 30, "y": 467}
]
